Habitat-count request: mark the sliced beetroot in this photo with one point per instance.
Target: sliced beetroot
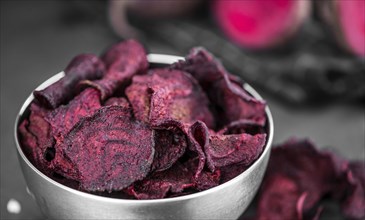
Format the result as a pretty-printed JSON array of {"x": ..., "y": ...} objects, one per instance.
[
  {"x": 123, "y": 61},
  {"x": 165, "y": 94},
  {"x": 176, "y": 95},
  {"x": 230, "y": 100},
  {"x": 198, "y": 135},
  {"x": 353, "y": 203},
  {"x": 170, "y": 144},
  {"x": 139, "y": 95},
  {"x": 313, "y": 175},
  {"x": 28, "y": 140},
  {"x": 260, "y": 24},
  {"x": 103, "y": 150},
  {"x": 279, "y": 199},
  {"x": 65, "y": 117},
  {"x": 41, "y": 131},
  {"x": 159, "y": 184},
  {"x": 206, "y": 179},
  {"x": 346, "y": 20},
  {"x": 82, "y": 67},
  {"x": 224, "y": 150}
]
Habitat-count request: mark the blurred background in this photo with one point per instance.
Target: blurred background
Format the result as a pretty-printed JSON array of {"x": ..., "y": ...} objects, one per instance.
[{"x": 306, "y": 58}]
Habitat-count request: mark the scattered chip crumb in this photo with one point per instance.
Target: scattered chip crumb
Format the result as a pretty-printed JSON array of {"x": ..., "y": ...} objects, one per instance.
[{"x": 14, "y": 206}]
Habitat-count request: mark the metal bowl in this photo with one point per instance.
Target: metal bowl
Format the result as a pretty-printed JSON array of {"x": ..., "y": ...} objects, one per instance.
[{"x": 226, "y": 201}]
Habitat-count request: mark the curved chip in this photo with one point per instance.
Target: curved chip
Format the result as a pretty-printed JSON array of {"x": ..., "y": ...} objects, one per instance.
[
  {"x": 170, "y": 144},
  {"x": 65, "y": 117},
  {"x": 157, "y": 186},
  {"x": 82, "y": 67},
  {"x": 123, "y": 61},
  {"x": 165, "y": 94},
  {"x": 224, "y": 90},
  {"x": 224, "y": 150},
  {"x": 108, "y": 151}
]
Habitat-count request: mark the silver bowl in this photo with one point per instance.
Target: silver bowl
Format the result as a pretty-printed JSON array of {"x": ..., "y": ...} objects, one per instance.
[{"x": 226, "y": 201}]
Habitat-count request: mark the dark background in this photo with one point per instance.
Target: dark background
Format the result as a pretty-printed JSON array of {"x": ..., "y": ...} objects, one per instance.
[{"x": 38, "y": 38}]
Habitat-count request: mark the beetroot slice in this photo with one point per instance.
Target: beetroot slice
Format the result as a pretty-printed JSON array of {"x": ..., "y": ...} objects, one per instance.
[
  {"x": 165, "y": 94},
  {"x": 82, "y": 67},
  {"x": 170, "y": 144},
  {"x": 231, "y": 101},
  {"x": 40, "y": 129},
  {"x": 346, "y": 20},
  {"x": 65, "y": 117},
  {"x": 103, "y": 150},
  {"x": 260, "y": 24},
  {"x": 353, "y": 204},
  {"x": 224, "y": 150},
  {"x": 279, "y": 199},
  {"x": 176, "y": 95},
  {"x": 139, "y": 95},
  {"x": 123, "y": 60},
  {"x": 159, "y": 184},
  {"x": 315, "y": 175},
  {"x": 206, "y": 179},
  {"x": 198, "y": 134}
]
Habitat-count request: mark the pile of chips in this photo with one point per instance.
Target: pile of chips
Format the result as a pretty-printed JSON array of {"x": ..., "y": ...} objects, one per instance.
[
  {"x": 113, "y": 124},
  {"x": 300, "y": 178}
]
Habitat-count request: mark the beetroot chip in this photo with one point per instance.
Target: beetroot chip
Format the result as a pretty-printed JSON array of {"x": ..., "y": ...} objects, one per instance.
[
  {"x": 103, "y": 150},
  {"x": 165, "y": 94},
  {"x": 123, "y": 61},
  {"x": 280, "y": 199},
  {"x": 139, "y": 95},
  {"x": 232, "y": 102},
  {"x": 176, "y": 95},
  {"x": 38, "y": 129},
  {"x": 170, "y": 144},
  {"x": 353, "y": 203},
  {"x": 82, "y": 67},
  {"x": 65, "y": 117},
  {"x": 313, "y": 176},
  {"x": 198, "y": 135},
  {"x": 157, "y": 186},
  {"x": 224, "y": 150},
  {"x": 206, "y": 179}
]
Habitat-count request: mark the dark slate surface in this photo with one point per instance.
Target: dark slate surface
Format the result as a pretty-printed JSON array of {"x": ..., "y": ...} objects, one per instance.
[{"x": 37, "y": 41}]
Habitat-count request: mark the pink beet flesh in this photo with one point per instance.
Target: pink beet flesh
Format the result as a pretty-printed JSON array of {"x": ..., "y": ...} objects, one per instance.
[
  {"x": 257, "y": 24},
  {"x": 352, "y": 22}
]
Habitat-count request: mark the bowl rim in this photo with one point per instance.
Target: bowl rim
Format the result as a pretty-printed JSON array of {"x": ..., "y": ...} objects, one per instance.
[{"x": 153, "y": 59}]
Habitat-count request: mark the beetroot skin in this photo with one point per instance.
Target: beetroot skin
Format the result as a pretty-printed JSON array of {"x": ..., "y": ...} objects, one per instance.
[
  {"x": 144, "y": 133},
  {"x": 260, "y": 24}
]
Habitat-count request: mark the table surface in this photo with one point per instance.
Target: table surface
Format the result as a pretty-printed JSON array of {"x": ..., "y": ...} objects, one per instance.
[{"x": 36, "y": 43}]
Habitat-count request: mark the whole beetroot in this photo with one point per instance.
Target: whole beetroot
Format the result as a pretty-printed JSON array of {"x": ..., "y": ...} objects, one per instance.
[
  {"x": 260, "y": 24},
  {"x": 346, "y": 21}
]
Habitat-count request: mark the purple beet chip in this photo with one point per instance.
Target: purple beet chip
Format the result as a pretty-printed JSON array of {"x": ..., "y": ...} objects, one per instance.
[
  {"x": 159, "y": 184},
  {"x": 231, "y": 101},
  {"x": 82, "y": 67},
  {"x": 123, "y": 61},
  {"x": 108, "y": 160},
  {"x": 224, "y": 150},
  {"x": 170, "y": 144}
]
